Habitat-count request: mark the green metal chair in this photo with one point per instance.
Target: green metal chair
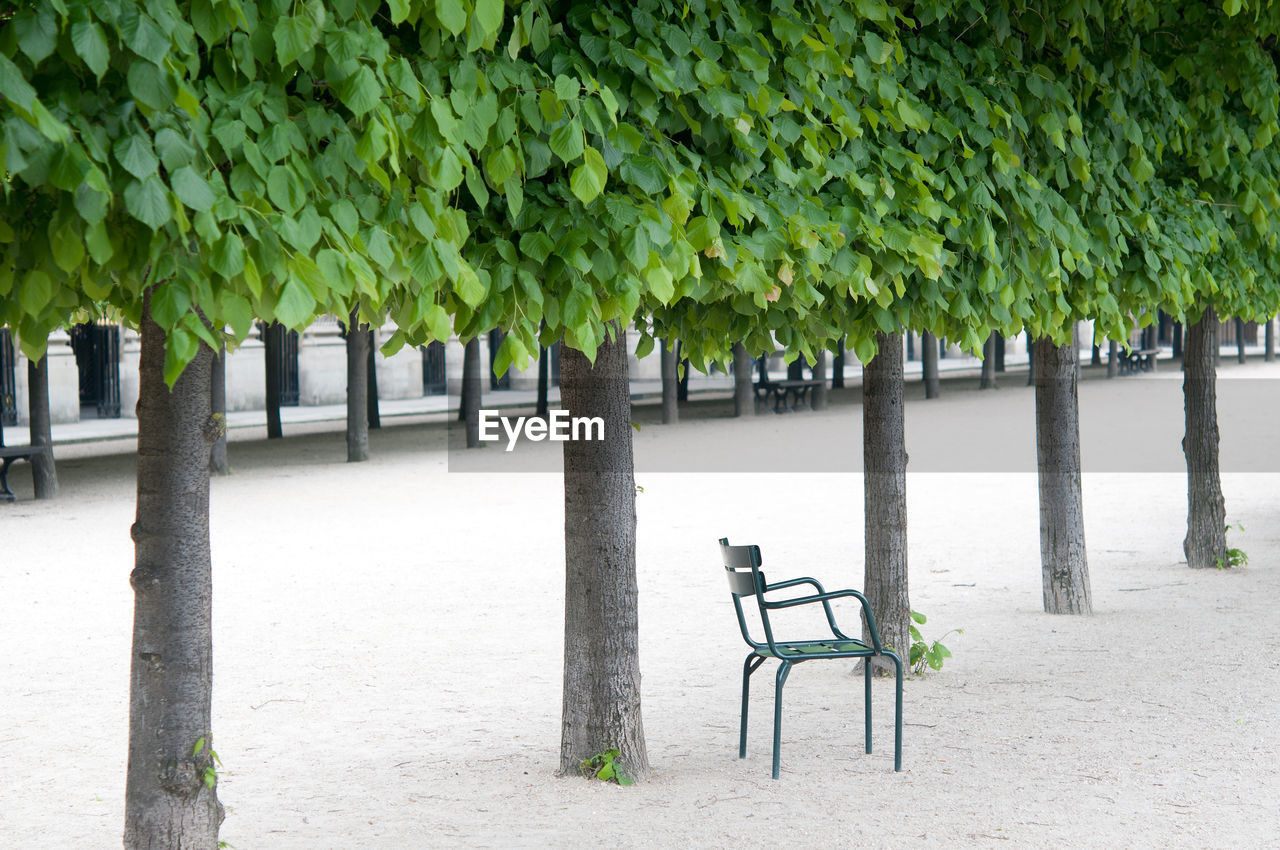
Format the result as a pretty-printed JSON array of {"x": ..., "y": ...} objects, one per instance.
[{"x": 742, "y": 565}]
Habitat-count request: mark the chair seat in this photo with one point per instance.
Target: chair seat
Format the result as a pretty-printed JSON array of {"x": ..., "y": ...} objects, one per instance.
[{"x": 818, "y": 649}]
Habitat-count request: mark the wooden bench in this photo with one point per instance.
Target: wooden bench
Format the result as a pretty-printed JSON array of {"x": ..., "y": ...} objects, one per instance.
[
  {"x": 786, "y": 394},
  {"x": 1138, "y": 360},
  {"x": 9, "y": 454}
]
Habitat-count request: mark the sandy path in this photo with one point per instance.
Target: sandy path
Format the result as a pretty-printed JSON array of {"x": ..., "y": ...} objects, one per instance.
[{"x": 388, "y": 655}]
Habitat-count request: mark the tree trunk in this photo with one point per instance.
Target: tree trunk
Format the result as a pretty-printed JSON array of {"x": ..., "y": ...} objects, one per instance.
[
  {"x": 1063, "y": 560},
  {"x": 1113, "y": 358},
  {"x": 670, "y": 382},
  {"x": 1177, "y": 339},
  {"x": 999, "y": 352},
  {"x": 884, "y": 460},
  {"x": 601, "y": 708},
  {"x": 171, "y": 795},
  {"x": 1206, "y": 540},
  {"x": 929, "y": 362},
  {"x": 1031, "y": 360},
  {"x": 374, "y": 415},
  {"x": 542, "y": 409},
  {"x": 820, "y": 374},
  {"x": 471, "y": 392},
  {"x": 744, "y": 401},
  {"x": 273, "y": 350},
  {"x": 987, "y": 379},
  {"x": 837, "y": 367},
  {"x": 218, "y": 464},
  {"x": 43, "y": 472},
  {"x": 1240, "y": 358},
  {"x": 682, "y": 385},
  {"x": 357, "y": 389},
  {"x": 1269, "y": 352}
]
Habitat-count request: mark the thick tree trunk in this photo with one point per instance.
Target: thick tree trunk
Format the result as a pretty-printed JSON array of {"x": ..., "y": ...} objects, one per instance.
[
  {"x": 987, "y": 379},
  {"x": 374, "y": 415},
  {"x": 744, "y": 401},
  {"x": 1063, "y": 559},
  {"x": 884, "y": 460},
  {"x": 601, "y": 708},
  {"x": 1269, "y": 352},
  {"x": 1206, "y": 540},
  {"x": 1240, "y": 358},
  {"x": 471, "y": 392},
  {"x": 43, "y": 472},
  {"x": 820, "y": 374},
  {"x": 218, "y": 464},
  {"x": 273, "y": 349},
  {"x": 670, "y": 382},
  {"x": 929, "y": 362},
  {"x": 171, "y": 795},
  {"x": 837, "y": 367},
  {"x": 357, "y": 389},
  {"x": 1113, "y": 358},
  {"x": 542, "y": 409}
]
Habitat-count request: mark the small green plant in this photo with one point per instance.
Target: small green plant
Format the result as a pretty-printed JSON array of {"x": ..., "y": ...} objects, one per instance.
[
  {"x": 603, "y": 766},
  {"x": 1233, "y": 557},
  {"x": 210, "y": 772},
  {"x": 927, "y": 653}
]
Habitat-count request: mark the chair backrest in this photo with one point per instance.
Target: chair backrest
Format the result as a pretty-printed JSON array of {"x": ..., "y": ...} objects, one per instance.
[{"x": 742, "y": 568}]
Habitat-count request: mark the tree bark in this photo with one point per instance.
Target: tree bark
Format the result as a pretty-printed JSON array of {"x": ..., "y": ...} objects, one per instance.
[
  {"x": 1177, "y": 339},
  {"x": 374, "y": 415},
  {"x": 837, "y": 367},
  {"x": 43, "y": 472},
  {"x": 1063, "y": 559},
  {"x": 1113, "y": 358},
  {"x": 543, "y": 409},
  {"x": 884, "y": 460},
  {"x": 1240, "y": 358},
  {"x": 171, "y": 797},
  {"x": 357, "y": 389},
  {"x": 1206, "y": 540},
  {"x": 1096, "y": 359},
  {"x": 670, "y": 382},
  {"x": 601, "y": 708},
  {"x": 273, "y": 350},
  {"x": 987, "y": 379},
  {"x": 929, "y": 363},
  {"x": 820, "y": 374},
  {"x": 471, "y": 392},
  {"x": 999, "y": 352},
  {"x": 1269, "y": 352},
  {"x": 218, "y": 464},
  {"x": 744, "y": 401}
]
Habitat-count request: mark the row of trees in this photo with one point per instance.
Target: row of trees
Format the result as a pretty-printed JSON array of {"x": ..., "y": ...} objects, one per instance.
[{"x": 724, "y": 173}]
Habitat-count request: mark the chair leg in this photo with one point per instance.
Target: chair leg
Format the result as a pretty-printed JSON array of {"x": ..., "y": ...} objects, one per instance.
[
  {"x": 748, "y": 667},
  {"x": 866, "y": 675},
  {"x": 777, "y": 715},
  {"x": 897, "y": 714}
]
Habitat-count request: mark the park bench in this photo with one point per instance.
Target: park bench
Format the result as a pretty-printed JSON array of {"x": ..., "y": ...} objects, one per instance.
[
  {"x": 8, "y": 455},
  {"x": 742, "y": 565},
  {"x": 1138, "y": 360},
  {"x": 786, "y": 395}
]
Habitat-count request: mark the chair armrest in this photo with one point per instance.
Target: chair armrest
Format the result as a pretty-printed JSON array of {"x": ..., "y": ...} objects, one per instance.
[
  {"x": 793, "y": 582},
  {"x": 825, "y": 599}
]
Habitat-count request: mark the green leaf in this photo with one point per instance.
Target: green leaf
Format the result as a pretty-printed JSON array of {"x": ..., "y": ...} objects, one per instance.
[
  {"x": 14, "y": 85},
  {"x": 296, "y": 34},
  {"x": 567, "y": 88},
  {"x": 191, "y": 189},
  {"x": 170, "y": 302},
  {"x": 91, "y": 46},
  {"x": 451, "y": 14},
  {"x": 399, "y": 10},
  {"x": 150, "y": 86},
  {"x": 919, "y": 618},
  {"x": 148, "y": 202},
  {"x": 134, "y": 153},
  {"x": 180, "y": 348},
  {"x": 296, "y": 306},
  {"x": 469, "y": 287},
  {"x": 566, "y": 141},
  {"x": 98, "y": 241},
  {"x": 878, "y": 50},
  {"x": 489, "y": 15},
  {"x": 227, "y": 258},
  {"x": 37, "y": 289},
  {"x": 36, "y": 32},
  {"x": 501, "y": 165},
  {"x": 437, "y": 322},
  {"x": 360, "y": 92},
  {"x": 67, "y": 246},
  {"x": 285, "y": 189},
  {"x": 588, "y": 179}
]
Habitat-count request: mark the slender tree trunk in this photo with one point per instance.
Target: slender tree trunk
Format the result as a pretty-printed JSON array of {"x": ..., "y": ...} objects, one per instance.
[
  {"x": 218, "y": 464},
  {"x": 999, "y": 352},
  {"x": 374, "y": 415},
  {"x": 168, "y": 802},
  {"x": 1063, "y": 559},
  {"x": 1096, "y": 359},
  {"x": 911, "y": 345},
  {"x": 884, "y": 461},
  {"x": 357, "y": 389},
  {"x": 744, "y": 401},
  {"x": 1206, "y": 540},
  {"x": 1177, "y": 339},
  {"x": 929, "y": 362},
  {"x": 670, "y": 382},
  {"x": 542, "y": 409},
  {"x": 837, "y": 367},
  {"x": 43, "y": 472},
  {"x": 273, "y": 349},
  {"x": 987, "y": 380},
  {"x": 601, "y": 708},
  {"x": 471, "y": 392},
  {"x": 1031, "y": 360},
  {"x": 820, "y": 374},
  {"x": 1240, "y": 358},
  {"x": 682, "y": 385},
  {"x": 1113, "y": 358},
  {"x": 1269, "y": 352}
]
